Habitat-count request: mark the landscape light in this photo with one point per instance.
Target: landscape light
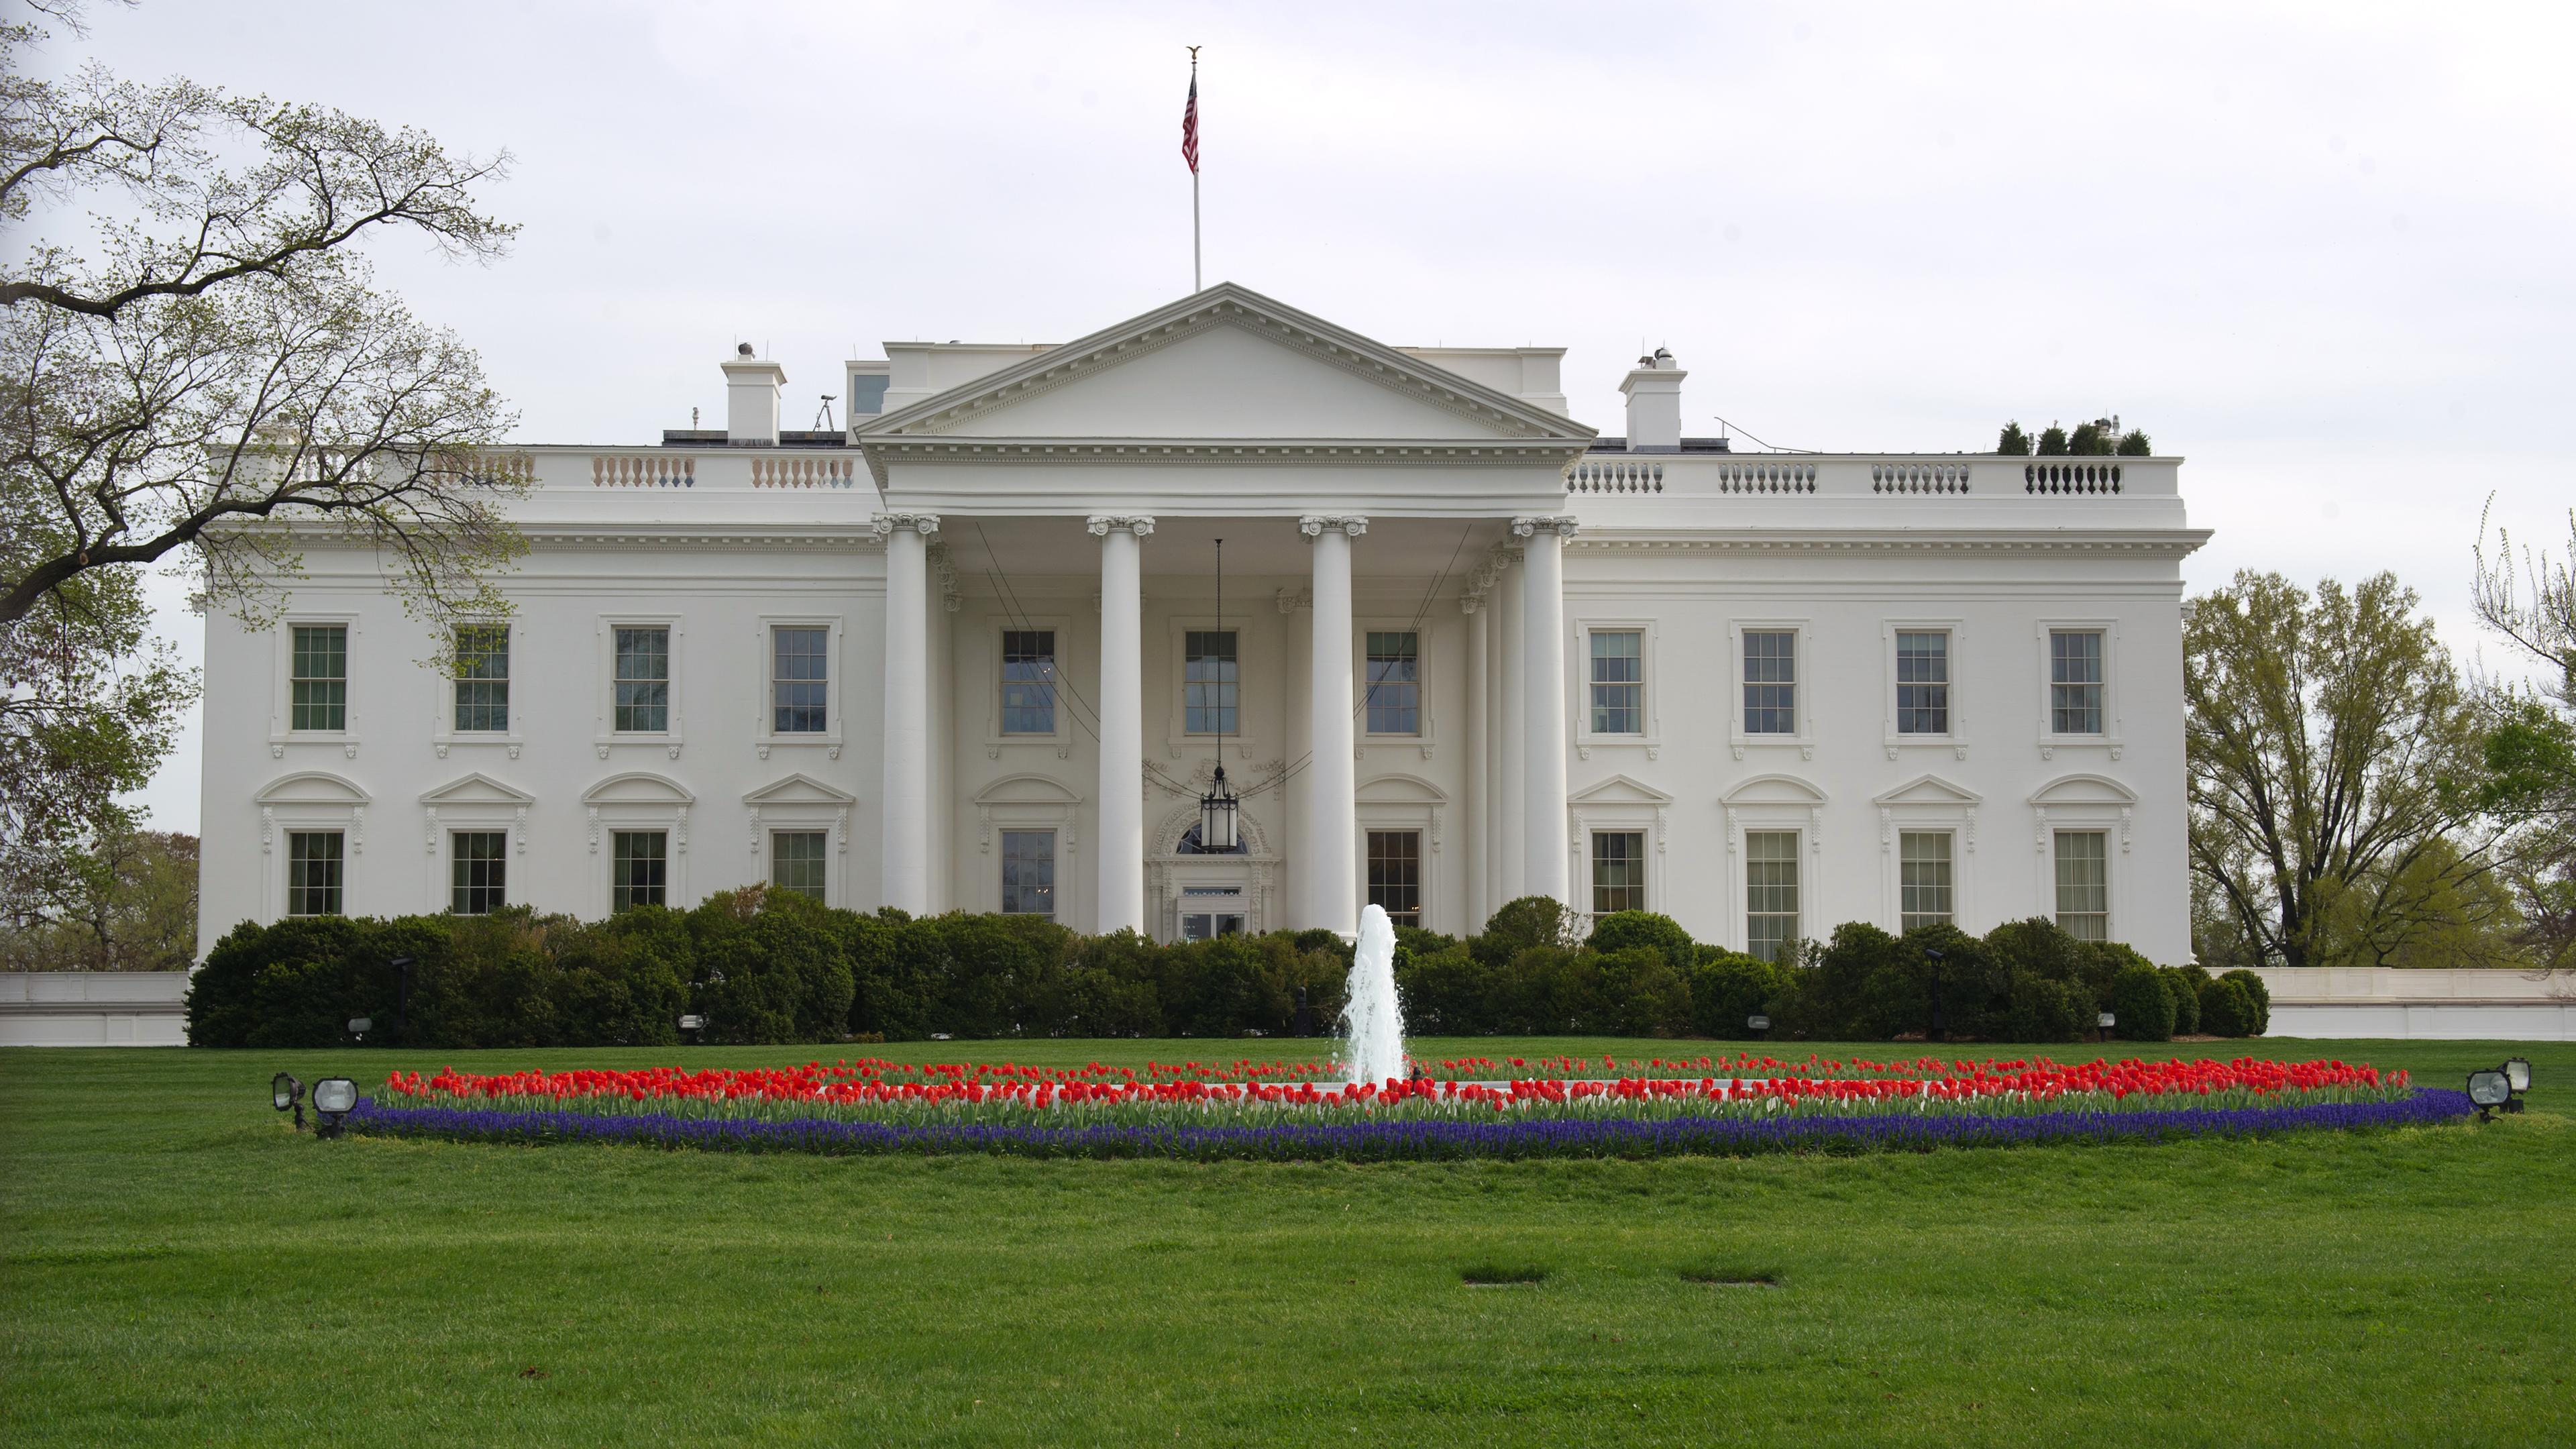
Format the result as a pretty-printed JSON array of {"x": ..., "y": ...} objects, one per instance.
[
  {"x": 2489, "y": 1090},
  {"x": 2517, "y": 1074},
  {"x": 333, "y": 1099},
  {"x": 2106, "y": 1021},
  {"x": 692, "y": 1023},
  {"x": 1758, "y": 1022},
  {"x": 359, "y": 1026},
  {"x": 286, "y": 1092}
]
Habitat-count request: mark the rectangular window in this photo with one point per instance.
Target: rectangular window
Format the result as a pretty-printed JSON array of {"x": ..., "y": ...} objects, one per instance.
[
  {"x": 1922, "y": 684},
  {"x": 1770, "y": 891},
  {"x": 796, "y": 861},
  {"x": 1028, "y": 681},
  {"x": 477, "y": 873},
  {"x": 482, "y": 678},
  {"x": 1209, "y": 682},
  {"x": 320, "y": 677},
  {"x": 1618, "y": 682},
  {"x": 1208, "y": 912},
  {"x": 313, "y": 873},
  {"x": 1923, "y": 877},
  {"x": 1394, "y": 684},
  {"x": 2075, "y": 681},
  {"x": 638, "y": 869},
  {"x": 2084, "y": 884},
  {"x": 799, "y": 673},
  {"x": 1770, "y": 682},
  {"x": 1028, "y": 873},
  {"x": 643, "y": 704},
  {"x": 1618, "y": 871},
  {"x": 1395, "y": 874}
]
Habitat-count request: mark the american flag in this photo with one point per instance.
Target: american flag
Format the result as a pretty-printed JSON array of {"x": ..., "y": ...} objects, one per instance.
[{"x": 1190, "y": 125}]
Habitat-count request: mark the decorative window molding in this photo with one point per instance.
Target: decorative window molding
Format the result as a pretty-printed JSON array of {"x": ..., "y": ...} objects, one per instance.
[
  {"x": 305, "y": 801},
  {"x": 638, "y": 800},
  {"x": 1955, "y": 740},
  {"x": 1929, "y": 802},
  {"x": 1650, "y": 734},
  {"x": 474, "y": 802},
  {"x": 1619, "y": 803},
  {"x": 443, "y": 733},
  {"x": 2111, "y": 737},
  {"x": 1772, "y": 802},
  {"x": 281, "y": 710},
  {"x": 1406, "y": 802},
  {"x": 1256, "y": 659},
  {"x": 992, "y": 629},
  {"x": 765, "y": 734},
  {"x": 799, "y": 802},
  {"x": 1424, "y": 738},
  {"x": 605, "y": 734},
  {"x": 1803, "y": 738},
  {"x": 2082, "y": 802},
  {"x": 1028, "y": 802}
]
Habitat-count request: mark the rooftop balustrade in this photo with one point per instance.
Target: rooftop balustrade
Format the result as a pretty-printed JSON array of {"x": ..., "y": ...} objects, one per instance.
[{"x": 1644, "y": 477}]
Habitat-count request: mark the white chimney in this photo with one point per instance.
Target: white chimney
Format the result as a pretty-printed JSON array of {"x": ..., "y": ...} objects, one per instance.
[
  {"x": 751, "y": 397},
  {"x": 1654, "y": 393}
]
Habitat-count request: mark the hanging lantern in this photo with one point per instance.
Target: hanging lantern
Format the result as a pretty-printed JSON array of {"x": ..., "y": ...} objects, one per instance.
[{"x": 1220, "y": 824}]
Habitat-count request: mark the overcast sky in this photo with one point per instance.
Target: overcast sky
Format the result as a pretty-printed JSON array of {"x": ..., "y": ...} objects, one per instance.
[{"x": 2320, "y": 251}]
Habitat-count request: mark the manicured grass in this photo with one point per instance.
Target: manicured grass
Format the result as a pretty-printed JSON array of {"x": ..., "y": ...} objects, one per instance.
[{"x": 177, "y": 1267}]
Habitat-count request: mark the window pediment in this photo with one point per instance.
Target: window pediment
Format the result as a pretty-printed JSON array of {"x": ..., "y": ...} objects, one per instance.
[
  {"x": 2068, "y": 790},
  {"x": 476, "y": 788},
  {"x": 637, "y": 788},
  {"x": 1928, "y": 790},
  {"x": 311, "y": 787},
  {"x": 1774, "y": 790},
  {"x": 1027, "y": 790},
  {"x": 798, "y": 789},
  {"x": 1619, "y": 790}
]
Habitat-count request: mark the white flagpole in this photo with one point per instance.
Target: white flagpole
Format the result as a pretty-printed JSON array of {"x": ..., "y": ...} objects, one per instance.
[{"x": 1198, "y": 281}]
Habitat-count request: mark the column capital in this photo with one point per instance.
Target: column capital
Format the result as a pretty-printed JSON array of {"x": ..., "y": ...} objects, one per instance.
[
  {"x": 1561, "y": 524},
  {"x": 884, "y": 525},
  {"x": 1313, "y": 524},
  {"x": 1102, "y": 524}
]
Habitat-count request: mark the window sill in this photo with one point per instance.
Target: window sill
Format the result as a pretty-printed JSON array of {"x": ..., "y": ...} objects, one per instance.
[
  {"x": 830, "y": 744},
  {"x": 1957, "y": 745},
  {"x": 450, "y": 739},
  {"x": 344, "y": 741},
  {"x": 1585, "y": 744},
  {"x": 669, "y": 744},
  {"x": 1060, "y": 743},
  {"x": 2049, "y": 745},
  {"x": 1804, "y": 744}
]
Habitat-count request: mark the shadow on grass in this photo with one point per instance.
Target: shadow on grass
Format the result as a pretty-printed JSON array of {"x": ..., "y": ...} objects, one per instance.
[
  {"x": 1490, "y": 1275},
  {"x": 1729, "y": 1275}
]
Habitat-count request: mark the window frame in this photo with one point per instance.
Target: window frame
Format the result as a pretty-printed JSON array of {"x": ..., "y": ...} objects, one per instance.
[
  {"x": 614, "y": 861},
  {"x": 765, "y": 733},
  {"x": 773, "y": 834},
  {"x": 1803, "y": 738},
  {"x": 1592, "y": 862},
  {"x": 674, "y": 734},
  {"x": 1421, "y": 631},
  {"x": 1421, "y": 911},
  {"x": 281, "y": 730},
  {"x": 339, "y": 861},
  {"x": 1955, "y": 739},
  {"x": 2057, "y": 884},
  {"x": 1951, "y": 860},
  {"x": 2110, "y": 738},
  {"x": 443, "y": 733},
  {"x": 1649, "y": 735},
  {"x": 1255, "y": 660},
  {"x": 1055, "y": 870},
  {"x": 1777, "y": 801},
  {"x": 456, "y": 861},
  {"x": 1798, "y": 884}
]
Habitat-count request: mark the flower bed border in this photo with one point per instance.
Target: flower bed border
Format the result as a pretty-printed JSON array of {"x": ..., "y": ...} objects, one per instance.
[{"x": 1415, "y": 1140}]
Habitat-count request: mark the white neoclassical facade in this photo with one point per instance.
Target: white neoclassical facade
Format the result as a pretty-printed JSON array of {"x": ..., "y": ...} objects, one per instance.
[{"x": 970, "y": 653}]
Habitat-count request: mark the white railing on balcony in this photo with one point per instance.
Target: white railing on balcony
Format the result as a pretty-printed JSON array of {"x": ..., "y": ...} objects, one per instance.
[
  {"x": 1943, "y": 478},
  {"x": 802, "y": 470},
  {"x": 643, "y": 470}
]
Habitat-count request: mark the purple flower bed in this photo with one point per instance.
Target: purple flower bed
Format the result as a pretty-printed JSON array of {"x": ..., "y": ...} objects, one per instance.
[{"x": 1408, "y": 1140}]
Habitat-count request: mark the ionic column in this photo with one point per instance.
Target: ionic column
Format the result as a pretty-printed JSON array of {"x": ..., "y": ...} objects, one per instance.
[
  {"x": 1543, "y": 860},
  {"x": 1332, "y": 789},
  {"x": 1120, "y": 859},
  {"x": 903, "y": 858},
  {"x": 1475, "y": 825}
]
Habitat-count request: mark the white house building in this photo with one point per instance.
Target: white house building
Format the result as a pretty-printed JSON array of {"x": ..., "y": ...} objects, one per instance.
[{"x": 970, "y": 654}]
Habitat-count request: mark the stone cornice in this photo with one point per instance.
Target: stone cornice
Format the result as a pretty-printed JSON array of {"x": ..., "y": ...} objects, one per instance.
[
  {"x": 1231, "y": 452},
  {"x": 805, "y": 536},
  {"x": 2164, "y": 542}
]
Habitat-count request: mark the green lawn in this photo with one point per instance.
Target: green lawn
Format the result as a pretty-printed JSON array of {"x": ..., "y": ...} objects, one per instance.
[{"x": 178, "y": 1268}]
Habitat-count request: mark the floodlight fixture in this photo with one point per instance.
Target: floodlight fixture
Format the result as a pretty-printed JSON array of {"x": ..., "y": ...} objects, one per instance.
[
  {"x": 1758, "y": 1022},
  {"x": 359, "y": 1026},
  {"x": 2517, "y": 1074},
  {"x": 693, "y": 1024},
  {"x": 2106, "y": 1021},
  {"x": 333, "y": 1099},
  {"x": 2489, "y": 1090},
  {"x": 286, "y": 1092}
]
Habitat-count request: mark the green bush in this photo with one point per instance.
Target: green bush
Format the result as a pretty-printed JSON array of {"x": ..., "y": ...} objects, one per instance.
[
  {"x": 2038, "y": 1009},
  {"x": 2183, "y": 984},
  {"x": 2260, "y": 994},
  {"x": 1728, "y": 988},
  {"x": 1661, "y": 934},
  {"x": 2142, "y": 1005},
  {"x": 2226, "y": 1008}
]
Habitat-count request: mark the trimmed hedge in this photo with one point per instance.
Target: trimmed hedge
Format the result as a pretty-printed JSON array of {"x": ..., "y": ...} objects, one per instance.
[{"x": 770, "y": 967}]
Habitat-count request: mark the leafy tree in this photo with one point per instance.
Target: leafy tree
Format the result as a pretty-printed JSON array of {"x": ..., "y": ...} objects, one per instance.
[
  {"x": 2530, "y": 747},
  {"x": 2014, "y": 443},
  {"x": 133, "y": 907},
  {"x": 2052, "y": 441},
  {"x": 195, "y": 368},
  {"x": 2329, "y": 744}
]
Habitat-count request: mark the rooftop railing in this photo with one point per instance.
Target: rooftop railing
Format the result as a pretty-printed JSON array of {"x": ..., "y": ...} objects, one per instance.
[{"x": 1643, "y": 476}]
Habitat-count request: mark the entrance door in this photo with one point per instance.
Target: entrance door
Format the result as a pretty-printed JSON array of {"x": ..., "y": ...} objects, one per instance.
[{"x": 1208, "y": 912}]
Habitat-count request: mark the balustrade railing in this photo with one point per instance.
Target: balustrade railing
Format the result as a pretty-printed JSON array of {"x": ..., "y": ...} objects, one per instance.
[
  {"x": 1943, "y": 479},
  {"x": 643, "y": 470}
]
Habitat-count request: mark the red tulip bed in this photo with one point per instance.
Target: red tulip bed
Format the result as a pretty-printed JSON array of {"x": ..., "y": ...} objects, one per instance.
[{"x": 1471, "y": 1107}]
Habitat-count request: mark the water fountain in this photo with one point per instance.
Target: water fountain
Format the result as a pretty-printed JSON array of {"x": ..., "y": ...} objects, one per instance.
[{"x": 1372, "y": 1020}]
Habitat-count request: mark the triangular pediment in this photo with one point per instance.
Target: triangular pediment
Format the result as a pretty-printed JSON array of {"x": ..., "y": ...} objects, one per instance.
[
  {"x": 799, "y": 789},
  {"x": 1619, "y": 790},
  {"x": 1928, "y": 790},
  {"x": 1226, "y": 363},
  {"x": 476, "y": 789}
]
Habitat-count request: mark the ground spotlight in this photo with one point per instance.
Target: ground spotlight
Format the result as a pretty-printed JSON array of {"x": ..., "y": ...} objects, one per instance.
[
  {"x": 333, "y": 1099},
  {"x": 2517, "y": 1074},
  {"x": 2489, "y": 1090},
  {"x": 2106, "y": 1021},
  {"x": 693, "y": 1024},
  {"x": 359, "y": 1026},
  {"x": 1758, "y": 1023},
  {"x": 287, "y": 1092}
]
